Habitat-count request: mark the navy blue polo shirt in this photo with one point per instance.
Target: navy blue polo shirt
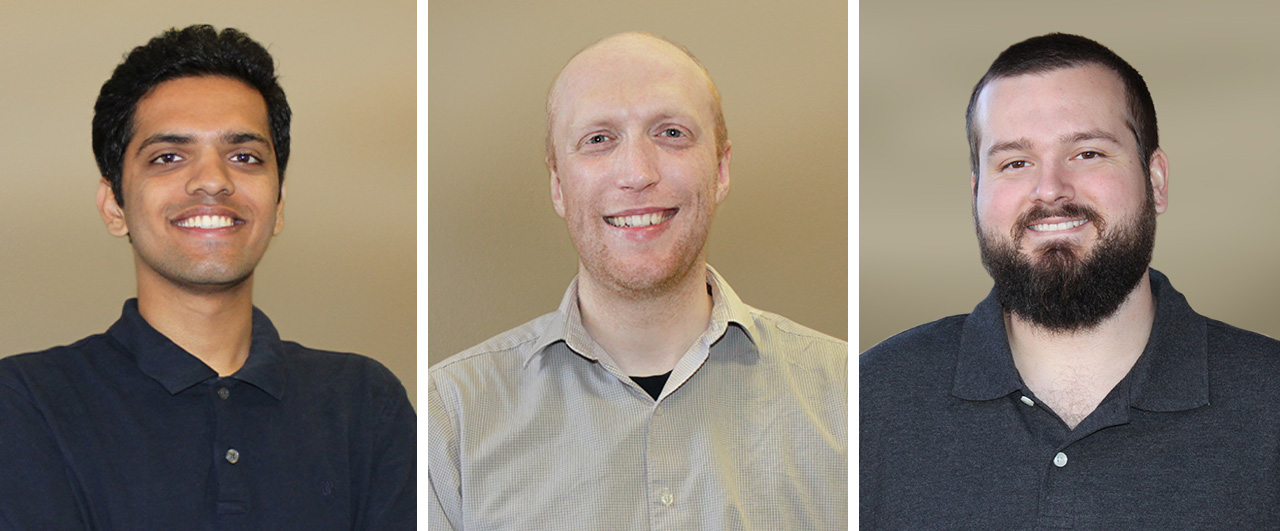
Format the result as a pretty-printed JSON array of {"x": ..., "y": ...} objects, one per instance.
[
  {"x": 951, "y": 437},
  {"x": 126, "y": 430}
]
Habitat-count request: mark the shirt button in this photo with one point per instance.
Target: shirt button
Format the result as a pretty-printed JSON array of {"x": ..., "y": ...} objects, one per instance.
[
  {"x": 224, "y": 393},
  {"x": 1028, "y": 401},
  {"x": 233, "y": 456},
  {"x": 668, "y": 498},
  {"x": 1060, "y": 460}
]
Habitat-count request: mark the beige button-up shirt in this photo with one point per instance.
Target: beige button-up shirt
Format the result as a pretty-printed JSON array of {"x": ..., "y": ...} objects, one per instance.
[{"x": 537, "y": 428}]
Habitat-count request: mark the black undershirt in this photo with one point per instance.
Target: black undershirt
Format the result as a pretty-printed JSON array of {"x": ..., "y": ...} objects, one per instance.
[{"x": 652, "y": 384}]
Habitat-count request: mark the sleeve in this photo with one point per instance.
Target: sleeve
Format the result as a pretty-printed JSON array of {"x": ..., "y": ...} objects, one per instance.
[
  {"x": 36, "y": 490},
  {"x": 391, "y": 499},
  {"x": 443, "y": 467}
]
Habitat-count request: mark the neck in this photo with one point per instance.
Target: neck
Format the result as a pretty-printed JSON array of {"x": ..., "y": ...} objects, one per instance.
[
  {"x": 646, "y": 334},
  {"x": 1073, "y": 371},
  {"x": 215, "y": 326}
]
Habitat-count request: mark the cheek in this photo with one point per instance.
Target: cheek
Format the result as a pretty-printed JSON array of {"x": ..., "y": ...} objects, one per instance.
[{"x": 574, "y": 190}]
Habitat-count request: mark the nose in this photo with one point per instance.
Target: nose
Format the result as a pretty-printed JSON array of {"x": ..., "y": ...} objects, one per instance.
[
  {"x": 637, "y": 168},
  {"x": 1053, "y": 184},
  {"x": 210, "y": 176}
]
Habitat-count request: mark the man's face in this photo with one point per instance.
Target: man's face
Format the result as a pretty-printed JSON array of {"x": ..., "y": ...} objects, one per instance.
[
  {"x": 1061, "y": 204},
  {"x": 202, "y": 195},
  {"x": 636, "y": 173}
]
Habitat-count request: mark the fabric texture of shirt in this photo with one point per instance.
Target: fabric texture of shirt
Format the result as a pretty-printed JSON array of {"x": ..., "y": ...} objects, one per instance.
[
  {"x": 951, "y": 437},
  {"x": 125, "y": 430},
  {"x": 538, "y": 428}
]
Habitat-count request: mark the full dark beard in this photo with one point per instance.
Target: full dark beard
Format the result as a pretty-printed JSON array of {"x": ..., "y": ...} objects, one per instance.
[{"x": 1060, "y": 291}]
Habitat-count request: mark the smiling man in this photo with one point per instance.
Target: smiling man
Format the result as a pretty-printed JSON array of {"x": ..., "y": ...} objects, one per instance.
[
  {"x": 1084, "y": 392},
  {"x": 190, "y": 412},
  {"x": 653, "y": 397}
]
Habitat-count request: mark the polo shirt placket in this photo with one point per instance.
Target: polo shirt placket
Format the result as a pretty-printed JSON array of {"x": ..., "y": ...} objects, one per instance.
[
  {"x": 230, "y": 456},
  {"x": 1067, "y": 455}
]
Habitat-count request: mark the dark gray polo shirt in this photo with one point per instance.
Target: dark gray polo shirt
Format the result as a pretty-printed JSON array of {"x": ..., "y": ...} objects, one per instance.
[{"x": 951, "y": 438}]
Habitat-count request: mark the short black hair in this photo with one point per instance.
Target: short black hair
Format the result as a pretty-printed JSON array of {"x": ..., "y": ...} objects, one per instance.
[
  {"x": 198, "y": 50},
  {"x": 1057, "y": 51}
]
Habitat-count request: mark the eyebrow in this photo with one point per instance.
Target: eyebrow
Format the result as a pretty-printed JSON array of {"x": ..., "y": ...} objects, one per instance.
[
  {"x": 230, "y": 137},
  {"x": 1023, "y": 144},
  {"x": 1020, "y": 144},
  {"x": 1093, "y": 134},
  {"x": 244, "y": 138}
]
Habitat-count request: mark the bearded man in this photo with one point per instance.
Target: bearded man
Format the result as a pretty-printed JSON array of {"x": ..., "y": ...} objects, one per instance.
[
  {"x": 653, "y": 398},
  {"x": 1083, "y": 391}
]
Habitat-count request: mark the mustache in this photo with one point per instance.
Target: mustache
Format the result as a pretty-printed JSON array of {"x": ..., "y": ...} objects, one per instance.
[{"x": 1068, "y": 210}]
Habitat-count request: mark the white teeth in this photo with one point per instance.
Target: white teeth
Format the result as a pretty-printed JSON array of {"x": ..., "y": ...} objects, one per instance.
[
  {"x": 1050, "y": 227},
  {"x": 206, "y": 222},
  {"x": 639, "y": 220}
]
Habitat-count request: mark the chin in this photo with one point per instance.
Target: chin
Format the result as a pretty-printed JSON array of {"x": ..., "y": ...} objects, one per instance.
[{"x": 643, "y": 276}]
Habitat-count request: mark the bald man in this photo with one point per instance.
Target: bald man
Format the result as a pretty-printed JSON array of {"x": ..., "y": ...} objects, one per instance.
[{"x": 653, "y": 398}]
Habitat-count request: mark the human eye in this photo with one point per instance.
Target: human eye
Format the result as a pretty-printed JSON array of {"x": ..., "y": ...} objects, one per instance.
[
  {"x": 598, "y": 138},
  {"x": 246, "y": 158},
  {"x": 1014, "y": 165},
  {"x": 1086, "y": 155},
  {"x": 166, "y": 158},
  {"x": 672, "y": 132}
]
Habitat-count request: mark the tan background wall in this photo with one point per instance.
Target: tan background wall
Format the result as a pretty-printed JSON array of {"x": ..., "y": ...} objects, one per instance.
[
  {"x": 499, "y": 255},
  {"x": 341, "y": 276},
  {"x": 1212, "y": 68}
]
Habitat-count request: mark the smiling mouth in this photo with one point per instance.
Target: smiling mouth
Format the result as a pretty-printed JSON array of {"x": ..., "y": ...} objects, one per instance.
[
  {"x": 1051, "y": 227},
  {"x": 207, "y": 222},
  {"x": 641, "y": 220}
]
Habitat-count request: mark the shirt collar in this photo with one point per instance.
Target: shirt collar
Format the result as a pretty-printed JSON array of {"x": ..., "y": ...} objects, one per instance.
[
  {"x": 1171, "y": 374},
  {"x": 566, "y": 323},
  {"x": 177, "y": 370}
]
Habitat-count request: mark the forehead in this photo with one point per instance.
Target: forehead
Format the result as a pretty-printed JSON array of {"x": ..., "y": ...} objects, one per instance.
[
  {"x": 200, "y": 104},
  {"x": 630, "y": 78},
  {"x": 1060, "y": 101}
]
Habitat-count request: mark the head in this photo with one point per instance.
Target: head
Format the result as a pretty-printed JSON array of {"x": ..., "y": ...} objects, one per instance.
[
  {"x": 193, "y": 51},
  {"x": 1067, "y": 180},
  {"x": 191, "y": 133},
  {"x": 639, "y": 158},
  {"x": 721, "y": 130},
  {"x": 1057, "y": 51}
]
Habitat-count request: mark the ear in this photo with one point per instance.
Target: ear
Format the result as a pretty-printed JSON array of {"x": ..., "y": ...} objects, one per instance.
[
  {"x": 557, "y": 197},
  {"x": 112, "y": 213},
  {"x": 1160, "y": 180},
  {"x": 279, "y": 212},
  {"x": 973, "y": 199},
  {"x": 722, "y": 172}
]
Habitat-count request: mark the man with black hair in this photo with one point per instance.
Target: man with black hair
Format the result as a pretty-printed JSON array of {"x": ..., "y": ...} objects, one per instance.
[
  {"x": 1084, "y": 392},
  {"x": 190, "y": 412}
]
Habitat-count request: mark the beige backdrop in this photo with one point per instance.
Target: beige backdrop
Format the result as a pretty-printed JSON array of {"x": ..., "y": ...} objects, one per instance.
[
  {"x": 341, "y": 276},
  {"x": 500, "y": 256},
  {"x": 1212, "y": 70}
]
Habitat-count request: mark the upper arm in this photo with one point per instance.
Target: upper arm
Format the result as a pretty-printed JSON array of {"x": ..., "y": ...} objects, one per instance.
[
  {"x": 36, "y": 488},
  {"x": 444, "y": 466}
]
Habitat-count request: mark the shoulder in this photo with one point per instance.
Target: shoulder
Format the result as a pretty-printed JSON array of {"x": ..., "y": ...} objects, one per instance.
[
  {"x": 782, "y": 336},
  {"x": 499, "y": 357},
  {"x": 1229, "y": 339},
  {"x": 927, "y": 345},
  {"x": 359, "y": 375},
  {"x": 1241, "y": 351},
  {"x": 797, "y": 337},
  {"x": 62, "y": 363},
  {"x": 481, "y": 374}
]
